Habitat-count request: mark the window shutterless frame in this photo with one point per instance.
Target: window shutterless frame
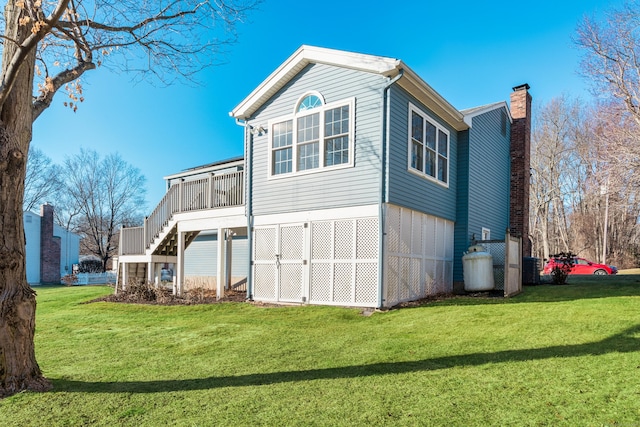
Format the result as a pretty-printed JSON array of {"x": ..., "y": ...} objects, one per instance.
[
  {"x": 314, "y": 138},
  {"x": 429, "y": 147}
]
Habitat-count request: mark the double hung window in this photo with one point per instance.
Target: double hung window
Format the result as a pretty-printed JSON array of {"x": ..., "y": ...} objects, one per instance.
[
  {"x": 428, "y": 147},
  {"x": 316, "y": 137}
]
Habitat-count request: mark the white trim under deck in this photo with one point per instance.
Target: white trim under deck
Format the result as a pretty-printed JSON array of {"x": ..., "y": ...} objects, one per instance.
[{"x": 215, "y": 202}]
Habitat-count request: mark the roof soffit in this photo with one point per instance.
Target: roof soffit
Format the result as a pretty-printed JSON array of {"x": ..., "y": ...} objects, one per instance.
[{"x": 301, "y": 58}]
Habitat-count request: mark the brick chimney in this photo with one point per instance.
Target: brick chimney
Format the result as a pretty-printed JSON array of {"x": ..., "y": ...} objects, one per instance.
[
  {"x": 49, "y": 247},
  {"x": 520, "y": 165}
]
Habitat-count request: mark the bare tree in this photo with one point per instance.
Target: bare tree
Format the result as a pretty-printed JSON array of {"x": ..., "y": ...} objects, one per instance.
[
  {"x": 48, "y": 46},
  {"x": 612, "y": 54},
  {"x": 42, "y": 181},
  {"x": 584, "y": 183},
  {"x": 611, "y": 62},
  {"x": 555, "y": 174},
  {"x": 107, "y": 192},
  {"x": 615, "y": 181}
]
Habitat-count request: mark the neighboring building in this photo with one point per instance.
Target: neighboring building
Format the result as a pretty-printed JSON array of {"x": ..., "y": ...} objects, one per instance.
[
  {"x": 360, "y": 186},
  {"x": 51, "y": 250}
]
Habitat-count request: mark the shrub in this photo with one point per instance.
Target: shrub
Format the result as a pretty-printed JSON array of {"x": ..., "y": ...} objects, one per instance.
[
  {"x": 90, "y": 266},
  {"x": 562, "y": 268},
  {"x": 69, "y": 279}
]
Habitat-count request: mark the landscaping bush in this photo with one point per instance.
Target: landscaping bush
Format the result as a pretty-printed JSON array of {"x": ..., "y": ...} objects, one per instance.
[
  {"x": 562, "y": 269},
  {"x": 69, "y": 279},
  {"x": 90, "y": 266}
]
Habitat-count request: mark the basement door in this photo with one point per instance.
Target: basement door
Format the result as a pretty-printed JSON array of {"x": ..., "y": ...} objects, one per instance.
[{"x": 279, "y": 262}]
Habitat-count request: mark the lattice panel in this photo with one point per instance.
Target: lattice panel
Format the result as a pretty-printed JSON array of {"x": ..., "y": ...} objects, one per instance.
[
  {"x": 367, "y": 238},
  {"x": 343, "y": 238},
  {"x": 416, "y": 233},
  {"x": 415, "y": 266},
  {"x": 405, "y": 231},
  {"x": 342, "y": 277},
  {"x": 265, "y": 244},
  {"x": 425, "y": 249},
  {"x": 292, "y": 242},
  {"x": 439, "y": 277},
  {"x": 320, "y": 282},
  {"x": 498, "y": 278},
  {"x": 448, "y": 253},
  {"x": 393, "y": 229},
  {"x": 392, "y": 279},
  {"x": 441, "y": 240},
  {"x": 264, "y": 282},
  {"x": 366, "y": 282},
  {"x": 429, "y": 236},
  {"x": 405, "y": 272},
  {"x": 497, "y": 251},
  {"x": 429, "y": 277},
  {"x": 291, "y": 282},
  {"x": 321, "y": 238},
  {"x": 448, "y": 277}
]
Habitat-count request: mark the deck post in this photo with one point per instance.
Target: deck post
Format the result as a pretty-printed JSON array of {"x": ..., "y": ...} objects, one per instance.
[
  {"x": 221, "y": 270},
  {"x": 179, "y": 280},
  {"x": 150, "y": 272},
  {"x": 145, "y": 230},
  {"x": 125, "y": 275},
  {"x": 228, "y": 261},
  {"x": 210, "y": 197},
  {"x": 157, "y": 273},
  {"x": 180, "y": 195}
]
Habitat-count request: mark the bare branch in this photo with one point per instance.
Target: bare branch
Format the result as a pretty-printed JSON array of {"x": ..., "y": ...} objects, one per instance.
[
  {"x": 43, "y": 101},
  {"x": 27, "y": 46}
]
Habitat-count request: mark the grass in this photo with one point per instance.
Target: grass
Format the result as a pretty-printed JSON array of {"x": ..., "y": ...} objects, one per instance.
[{"x": 555, "y": 355}]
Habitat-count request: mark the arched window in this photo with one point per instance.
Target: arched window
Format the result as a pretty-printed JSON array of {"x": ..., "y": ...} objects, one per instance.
[{"x": 309, "y": 102}]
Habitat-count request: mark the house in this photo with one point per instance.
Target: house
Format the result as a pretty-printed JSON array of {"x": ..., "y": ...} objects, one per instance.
[
  {"x": 51, "y": 250},
  {"x": 361, "y": 186}
]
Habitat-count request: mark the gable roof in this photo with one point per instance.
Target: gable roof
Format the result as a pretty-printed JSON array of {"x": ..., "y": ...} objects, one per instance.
[
  {"x": 470, "y": 113},
  {"x": 384, "y": 66}
]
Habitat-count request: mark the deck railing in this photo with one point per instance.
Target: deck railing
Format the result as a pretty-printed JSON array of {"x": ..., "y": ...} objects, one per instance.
[{"x": 212, "y": 192}]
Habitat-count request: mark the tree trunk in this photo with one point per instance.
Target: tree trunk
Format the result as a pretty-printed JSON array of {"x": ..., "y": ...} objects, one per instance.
[{"x": 18, "y": 367}]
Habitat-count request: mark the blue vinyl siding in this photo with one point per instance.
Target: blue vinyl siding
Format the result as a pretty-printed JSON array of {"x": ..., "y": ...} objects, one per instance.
[
  {"x": 201, "y": 257},
  {"x": 408, "y": 189},
  {"x": 462, "y": 234},
  {"x": 350, "y": 186},
  {"x": 487, "y": 181}
]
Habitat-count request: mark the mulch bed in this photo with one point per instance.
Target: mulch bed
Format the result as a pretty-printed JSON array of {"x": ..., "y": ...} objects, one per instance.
[{"x": 163, "y": 296}]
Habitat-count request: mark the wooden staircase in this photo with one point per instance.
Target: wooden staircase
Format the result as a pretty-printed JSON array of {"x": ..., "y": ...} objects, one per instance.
[
  {"x": 158, "y": 236},
  {"x": 168, "y": 243}
]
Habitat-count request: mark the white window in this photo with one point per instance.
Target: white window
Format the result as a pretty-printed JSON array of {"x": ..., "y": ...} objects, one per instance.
[
  {"x": 428, "y": 147},
  {"x": 316, "y": 137},
  {"x": 486, "y": 234}
]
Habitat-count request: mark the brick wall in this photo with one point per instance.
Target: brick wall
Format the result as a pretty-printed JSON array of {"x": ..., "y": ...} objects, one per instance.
[
  {"x": 520, "y": 165},
  {"x": 49, "y": 247}
]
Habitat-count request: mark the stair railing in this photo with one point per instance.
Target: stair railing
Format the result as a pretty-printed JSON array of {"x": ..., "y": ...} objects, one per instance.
[{"x": 212, "y": 192}]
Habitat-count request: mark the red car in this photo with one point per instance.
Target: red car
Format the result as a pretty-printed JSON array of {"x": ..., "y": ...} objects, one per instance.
[{"x": 582, "y": 266}]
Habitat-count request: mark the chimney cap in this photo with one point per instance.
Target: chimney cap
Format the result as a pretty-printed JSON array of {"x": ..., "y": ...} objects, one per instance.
[{"x": 521, "y": 87}]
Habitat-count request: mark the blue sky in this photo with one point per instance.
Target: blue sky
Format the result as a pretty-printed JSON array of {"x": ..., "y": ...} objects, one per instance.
[{"x": 471, "y": 54}]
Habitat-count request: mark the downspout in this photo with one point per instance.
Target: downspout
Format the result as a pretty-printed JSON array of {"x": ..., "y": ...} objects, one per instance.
[
  {"x": 385, "y": 94},
  {"x": 247, "y": 201}
]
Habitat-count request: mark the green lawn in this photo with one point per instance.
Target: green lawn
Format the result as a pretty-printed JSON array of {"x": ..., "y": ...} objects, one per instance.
[{"x": 555, "y": 355}]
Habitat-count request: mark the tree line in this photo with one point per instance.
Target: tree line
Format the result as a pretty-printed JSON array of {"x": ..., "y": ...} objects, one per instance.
[
  {"x": 93, "y": 196},
  {"x": 585, "y": 156}
]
